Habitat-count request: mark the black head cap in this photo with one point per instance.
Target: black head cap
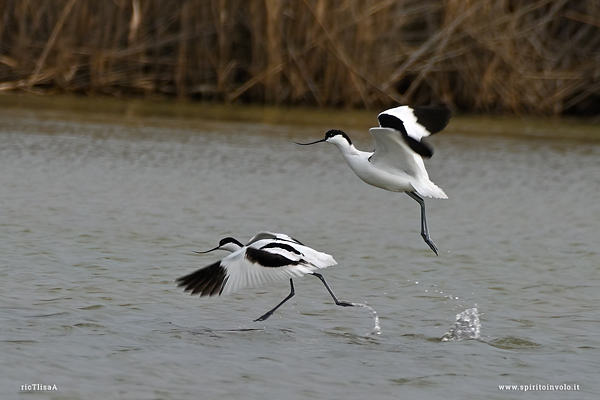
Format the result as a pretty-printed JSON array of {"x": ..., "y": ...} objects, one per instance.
[
  {"x": 334, "y": 132},
  {"x": 227, "y": 240}
]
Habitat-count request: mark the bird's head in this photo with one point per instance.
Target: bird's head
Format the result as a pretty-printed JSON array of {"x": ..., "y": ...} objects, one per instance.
[
  {"x": 334, "y": 136},
  {"x": 228, "y": 244}
]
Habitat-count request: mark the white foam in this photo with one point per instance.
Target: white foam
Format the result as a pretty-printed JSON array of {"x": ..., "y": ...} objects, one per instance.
[{"x": 466, "y": 326}]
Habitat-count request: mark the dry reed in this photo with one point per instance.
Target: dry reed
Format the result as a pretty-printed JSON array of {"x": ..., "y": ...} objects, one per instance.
[{"x": 518, "y": 56}]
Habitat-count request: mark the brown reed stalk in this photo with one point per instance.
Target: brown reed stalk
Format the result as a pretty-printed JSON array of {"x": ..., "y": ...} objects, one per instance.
[{"x": 517, "y": 56}]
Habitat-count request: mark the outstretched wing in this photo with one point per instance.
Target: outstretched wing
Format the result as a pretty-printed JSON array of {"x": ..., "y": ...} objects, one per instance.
[{"x": 414, "y": 124}]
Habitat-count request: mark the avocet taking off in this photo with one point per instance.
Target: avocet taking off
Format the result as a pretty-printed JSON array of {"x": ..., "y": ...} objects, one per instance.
[
  {"x": 397, "y": 162},
  {"x": 267, "y": 258}
]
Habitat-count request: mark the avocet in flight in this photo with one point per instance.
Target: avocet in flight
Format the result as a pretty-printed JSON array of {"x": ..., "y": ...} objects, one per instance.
[
  {"x": 267, "y": 258},
  {"x": 397, "y": 162}
]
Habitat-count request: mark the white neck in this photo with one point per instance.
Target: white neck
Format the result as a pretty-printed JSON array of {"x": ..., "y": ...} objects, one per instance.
[{"x": 348, "y": 150}]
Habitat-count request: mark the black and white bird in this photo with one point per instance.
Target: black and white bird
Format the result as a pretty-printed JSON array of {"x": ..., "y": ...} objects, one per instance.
[
  {"x": 397, "y": 162},
  {"x": 267, "y": 258}
]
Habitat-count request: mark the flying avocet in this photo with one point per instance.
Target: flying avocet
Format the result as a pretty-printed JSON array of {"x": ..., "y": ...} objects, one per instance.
[
  {"x": 267, "y": 258},
  {"x": 397, "y": 162}
]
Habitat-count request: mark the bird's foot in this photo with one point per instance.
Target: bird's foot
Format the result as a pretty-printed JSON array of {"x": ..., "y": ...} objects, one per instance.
[
  {"x": 430, "y": 243},
  {"x": 263, "y": 317}
]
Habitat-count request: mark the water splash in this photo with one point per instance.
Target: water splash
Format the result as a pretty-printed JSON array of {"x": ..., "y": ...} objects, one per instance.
[
  {"x": 376, "y": 328},
  {"x": 466, "y": 326}
]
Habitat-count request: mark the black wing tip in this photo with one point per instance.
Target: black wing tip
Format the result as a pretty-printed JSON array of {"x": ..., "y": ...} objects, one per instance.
[
  {"x": 208, "y": 281},
  {"x": 433, "y": 118}
]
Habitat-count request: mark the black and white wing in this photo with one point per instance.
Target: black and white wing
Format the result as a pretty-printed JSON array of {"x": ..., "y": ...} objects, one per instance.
[
  {"x": 414, "y": 124},
  {"x": 264, "y": 261},
  {"x": 272, "y": 235}
]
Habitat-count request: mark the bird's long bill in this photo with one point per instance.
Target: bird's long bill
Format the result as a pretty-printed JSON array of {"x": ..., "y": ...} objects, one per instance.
[
  {"x": 306, "y": 144},
  {"x": 207, "y": 251}
]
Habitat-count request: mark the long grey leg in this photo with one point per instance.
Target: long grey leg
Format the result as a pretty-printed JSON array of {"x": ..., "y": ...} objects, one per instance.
[
  {"x": 424, "y": 230},
  {"x": 269, "y": 313},
  {"x": 337, "y": 302}
]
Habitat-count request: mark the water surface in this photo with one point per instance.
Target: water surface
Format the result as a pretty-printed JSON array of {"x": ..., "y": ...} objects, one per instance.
[{"x": 98, "y": 218}]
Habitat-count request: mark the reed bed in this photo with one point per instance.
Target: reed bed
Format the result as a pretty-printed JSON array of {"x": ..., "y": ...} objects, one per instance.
[{"x": 516, "y": 56}]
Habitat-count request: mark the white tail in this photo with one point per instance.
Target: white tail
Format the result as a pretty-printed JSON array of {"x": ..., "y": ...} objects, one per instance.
[{"x": 429, "y": 189}]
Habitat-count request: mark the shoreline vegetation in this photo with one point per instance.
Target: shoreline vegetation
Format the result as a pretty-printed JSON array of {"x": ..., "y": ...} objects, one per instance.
[
  {"x": 188, "y": 115},
  {"x": 538, "y": 57}
]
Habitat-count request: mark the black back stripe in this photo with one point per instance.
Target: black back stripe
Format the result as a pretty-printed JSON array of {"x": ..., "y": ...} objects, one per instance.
[
  {"x": 434, "y": 119},
  {"x": 269, "y": 260},
  {"x": 277, "y": 245},
  {"x": 390, "y": 121},
  {"x": 297, "y": 241}
]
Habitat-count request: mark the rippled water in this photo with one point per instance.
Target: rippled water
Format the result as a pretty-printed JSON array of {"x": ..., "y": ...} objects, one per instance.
[{"x": 97, "y": 219}]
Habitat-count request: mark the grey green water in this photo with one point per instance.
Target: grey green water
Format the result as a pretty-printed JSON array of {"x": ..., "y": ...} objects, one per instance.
[{"x": 97, "y": 219}]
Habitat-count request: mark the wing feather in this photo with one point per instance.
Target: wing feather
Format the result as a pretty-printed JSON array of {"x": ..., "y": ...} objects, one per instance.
[
  {"x": 271, "y": 235},
  {"x": 415, "y": 124},
  {"x": 208, "y": 281},
  {"x": 394, "y": 155}
]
